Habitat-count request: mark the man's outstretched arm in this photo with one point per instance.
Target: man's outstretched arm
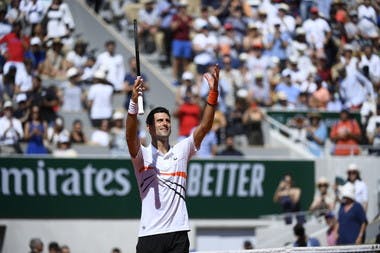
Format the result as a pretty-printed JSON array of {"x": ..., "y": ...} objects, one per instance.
[
  {"x": 209, "y": 111},
  {"x": 131, "y": 135}
]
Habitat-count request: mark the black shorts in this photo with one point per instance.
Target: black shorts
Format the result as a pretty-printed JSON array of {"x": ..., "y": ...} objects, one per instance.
[{"x": 175, "y": 242}]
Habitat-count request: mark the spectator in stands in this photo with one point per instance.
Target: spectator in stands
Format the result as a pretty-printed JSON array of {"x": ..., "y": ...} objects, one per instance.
[
  {"x": 252, "y": 119},
  {"x": 346, "y": 135},
  {"x": 65, "y": 249},
  {"x": 229, "y": 148},
  {"x": 11, "y": 132},
  {"x": 149, "y": 19},
  {"x": 206, "y": 17},
  {"x": 16, "y": 43},
  {"x": 77, "y": 135},
  {"x": 288, "y": 196},
  {"x": 277, "y": 42},
  {"x": 235, "y": 125},
  {"x": 335, "y": 104},
  {"x": 166, "y": 10},
  {"x": 59, "y": 22},
  {"x": 129, "y": 80},
  {"x": 118, "y": 145},
  {"x": 370, "y": 65},
  {"x": 324, "y": 201},
  {"x": 188, "y": 114},
  {"x": 361, "y": 189},
  {"x": 49, "y": 102},
  {"x": 22, "y": 111},
  {"x": 351, "y": 217},
  {"x": 73, "y": 96},
  {"x": 36, "y": 133},
  {"x": 354, "y": 88},
  {"x": 317, "y": 30},
  {"x": 101, "y": 136},
  {"x": 302, "y": 239},
  {"x": 54, "y": 65},
  {"x": 298, "y": 126},
  {"x": 332, "y": 231},
  {"x": 113, "y": 64},
  {"x": 367, "y": 20},
  {"x": 288, "y": 87},
  {"x": 117, "y": 8},
  {"x": 78, "y": 56},
  {"x": 205, "y": 45},
  {"x": 36, "y": 53},
  {"x": 233, "y": 79},
  {"x": 281, "y": 101},
  {"x": 257, "y": 61},
  {"x": 36, "y": 245},
  {"x": 33, "y": 11},
  {"x": 181, "y": 46},
  {"x": 229, "y": 43},
  {"x": 373, "y": 131},
  {"x": 5, "y": 26},
  {"x": 321, "y": 96},
  {"x": 99, "y": 99},
  {"x": 186, "y": 87},
  {"x": 55, "y": 131},
  {"x": 64, "y": 149},
  {"x": 23, "y": 84},
  {"x": 316, "y": 134},
  {"x": 348, "y": 59},
  {"x": 259, "y": 90}
]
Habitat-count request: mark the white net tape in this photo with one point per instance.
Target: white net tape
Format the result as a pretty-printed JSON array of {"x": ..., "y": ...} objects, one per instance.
[{"x": 336, "y": 249}]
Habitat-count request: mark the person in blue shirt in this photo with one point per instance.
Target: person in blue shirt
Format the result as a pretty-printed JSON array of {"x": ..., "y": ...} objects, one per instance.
[
  {"x": 352, "y": 220},
  {"x": 302, "y": 239},
  {"x": 288, "y": 87},
  {"x": 316, "y": 134}
]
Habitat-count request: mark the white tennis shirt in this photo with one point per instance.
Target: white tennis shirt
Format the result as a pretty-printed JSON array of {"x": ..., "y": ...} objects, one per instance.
[{"x": 161, "y": 179}]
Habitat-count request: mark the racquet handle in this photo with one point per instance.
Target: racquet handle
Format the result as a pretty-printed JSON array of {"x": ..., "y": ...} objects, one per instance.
[{"x": 140, "y": 104}]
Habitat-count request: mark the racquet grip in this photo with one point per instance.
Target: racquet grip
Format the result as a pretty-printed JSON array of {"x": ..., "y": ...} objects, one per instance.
[{"x": 140, "y": 104}]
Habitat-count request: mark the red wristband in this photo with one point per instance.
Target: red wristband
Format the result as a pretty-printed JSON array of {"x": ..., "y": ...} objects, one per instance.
[{"x": 212, "y": 98}]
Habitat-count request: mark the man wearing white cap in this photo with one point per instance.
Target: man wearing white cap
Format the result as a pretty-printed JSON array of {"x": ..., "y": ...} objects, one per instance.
[
  {"x": 11, "y": 131},
  {"x": 72, "y": 92},
  {"x": 352, "y": 220},
  {"x": 323, "y": 201},
  {"x": 361, "y": 190}
]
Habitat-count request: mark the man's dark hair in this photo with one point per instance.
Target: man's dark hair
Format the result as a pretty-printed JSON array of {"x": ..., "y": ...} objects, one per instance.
[
  {"x": 53, "y": 246},
  {"x": 150, "y": 118},
  {"x": 116, "y": 250},
  {"x": 110, "y": 42},
  {"x": 299, "y": 231}
]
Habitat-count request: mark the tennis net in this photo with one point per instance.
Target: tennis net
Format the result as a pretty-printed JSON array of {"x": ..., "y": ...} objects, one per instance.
[{"x": 333, "y": 249}]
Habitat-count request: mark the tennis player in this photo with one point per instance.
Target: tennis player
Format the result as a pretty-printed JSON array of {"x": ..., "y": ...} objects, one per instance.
[{"x": 161, "y": 172}]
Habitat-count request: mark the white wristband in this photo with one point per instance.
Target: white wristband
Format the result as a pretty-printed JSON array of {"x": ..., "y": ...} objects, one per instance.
[{"x": 132, "y": 109}]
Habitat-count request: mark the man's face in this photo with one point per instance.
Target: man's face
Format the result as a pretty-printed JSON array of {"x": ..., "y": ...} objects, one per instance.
[{"x": 161, "y": 125}]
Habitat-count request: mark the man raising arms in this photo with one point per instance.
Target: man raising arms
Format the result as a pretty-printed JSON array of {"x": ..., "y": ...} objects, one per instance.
[{"x": 161, "y": 172}]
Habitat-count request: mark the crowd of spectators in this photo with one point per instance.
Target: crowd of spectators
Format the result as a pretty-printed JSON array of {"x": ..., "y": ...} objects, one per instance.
[
  {"x": 36, "y": 245},
  {"x": 341, "y": 205},
  {"x": 286, "y": 55},
  {"x": 281, "y": 55}
]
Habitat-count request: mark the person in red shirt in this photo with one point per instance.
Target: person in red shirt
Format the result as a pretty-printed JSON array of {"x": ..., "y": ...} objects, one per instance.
[
  {"x": 188, "y": 114},
  {"x": 16, "y": 47},
  {"x": 181, "y": 46},
  {"x": 346, "y": 135}
]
